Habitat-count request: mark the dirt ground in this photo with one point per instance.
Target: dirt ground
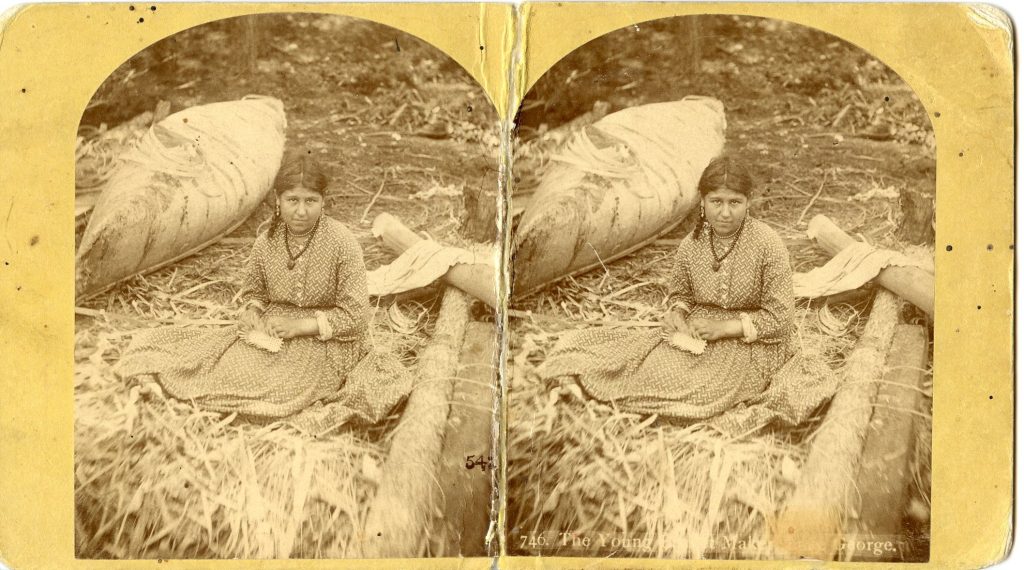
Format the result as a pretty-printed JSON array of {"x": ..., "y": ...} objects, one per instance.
[
  {"x": 804, "y": 109},
  {"x": 823, "y": 126},
  {"x": 388, "y": 115}
]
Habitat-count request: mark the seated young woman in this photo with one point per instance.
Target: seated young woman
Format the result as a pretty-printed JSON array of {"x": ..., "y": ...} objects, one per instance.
[
  {"x": 305, "y": 283},
  {"x": 726, "y": 355}
]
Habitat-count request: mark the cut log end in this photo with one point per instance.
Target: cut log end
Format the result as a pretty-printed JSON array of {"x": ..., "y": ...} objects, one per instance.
[
  {"x": 917, "y": 209},
  {"x": 476, "y": 279},
  {"x": 479, "y": 214}
]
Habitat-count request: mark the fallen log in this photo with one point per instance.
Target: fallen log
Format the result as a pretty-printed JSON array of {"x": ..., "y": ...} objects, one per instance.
[
  {"x": 884, "y": 477},
  {"x": 467, "y": 473},
  {"x": 811, "y": 523},
  {"x": 911, "y": 283},
  {"x": 476, "y": 279},
  {"x": 399, "y": 518}
]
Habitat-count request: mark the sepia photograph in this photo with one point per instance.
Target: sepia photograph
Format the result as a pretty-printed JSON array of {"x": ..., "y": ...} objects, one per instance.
[
  {"x": 537, "y": 284},
  {"x": 722, "y": 300},
  {"x": 269, "y": 359}
]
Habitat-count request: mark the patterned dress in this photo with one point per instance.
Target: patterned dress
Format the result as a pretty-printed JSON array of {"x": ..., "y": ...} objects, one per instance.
[
  {"x": 737, "y": 383},
  {"x": 221, "y": 372}
]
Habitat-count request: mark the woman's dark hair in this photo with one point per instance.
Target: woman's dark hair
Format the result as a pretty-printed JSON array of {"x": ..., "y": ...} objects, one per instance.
[
  {"x": 723, "y": 173},
  {"x": 297, "y": 169}
]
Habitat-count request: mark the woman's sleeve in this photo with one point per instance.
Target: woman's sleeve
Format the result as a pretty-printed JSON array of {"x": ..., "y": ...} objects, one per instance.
[
  {"x": 254, "y": 292},
  {"x": 680, "y": 290},
  {"x": 775, "y": 317},
  {"x": 350, "y": 315}
]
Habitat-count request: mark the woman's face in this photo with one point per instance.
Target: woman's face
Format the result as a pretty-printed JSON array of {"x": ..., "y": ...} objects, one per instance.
[
  {"x": 725, "y": 210},
  {"x": 300, "y": 208}
]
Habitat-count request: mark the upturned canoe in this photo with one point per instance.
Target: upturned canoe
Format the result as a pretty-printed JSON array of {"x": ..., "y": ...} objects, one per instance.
[
  {"x": 615, "y": 186},
  {"x": 194, "y": 177}
]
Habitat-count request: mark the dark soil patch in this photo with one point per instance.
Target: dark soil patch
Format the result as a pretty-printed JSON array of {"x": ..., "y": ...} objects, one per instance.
[
  {"x": 384, "y": 111},
  {"x": 804, "y": 108}
]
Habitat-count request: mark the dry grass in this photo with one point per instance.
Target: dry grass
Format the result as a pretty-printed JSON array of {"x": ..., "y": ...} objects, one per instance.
[
  {"x": 160, "y": 478},
  {"x": 585, "y": 467},
  {"x": 588, "y": 469}
]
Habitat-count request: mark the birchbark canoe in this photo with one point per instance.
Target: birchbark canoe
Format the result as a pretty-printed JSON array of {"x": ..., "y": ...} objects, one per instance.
[
  {"x": 193, "y": 178},
  {"x": 617, "y": 185}
]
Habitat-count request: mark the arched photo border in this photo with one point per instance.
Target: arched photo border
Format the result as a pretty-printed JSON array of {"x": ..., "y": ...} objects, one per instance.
[
  {"x": 53, "y": 57},
  {"x": 966, "y": 85}
]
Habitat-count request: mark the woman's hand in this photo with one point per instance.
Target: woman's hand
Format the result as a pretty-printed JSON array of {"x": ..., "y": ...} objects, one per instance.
[
  {"x": 283, "y": 327},
  {"x": 673, "y": 322},
  {"x": 248, "y": 320},
  {"x": 711, "y": 330}
]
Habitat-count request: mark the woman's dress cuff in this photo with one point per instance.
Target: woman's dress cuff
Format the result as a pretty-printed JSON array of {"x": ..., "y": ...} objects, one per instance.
[
  {"x": 322, "y": 323},
  {"x": 681, "y": 306},
  {"x": 256, "y": 304},
  {"x": 749, "y": 332}
]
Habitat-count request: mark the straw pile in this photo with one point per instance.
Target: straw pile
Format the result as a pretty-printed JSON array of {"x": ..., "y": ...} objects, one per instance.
[
  {"x": 639, "y": 486},
  {"x": 156, "y": 478},
  {"x": 644, "y": 487},
  {"x": 159, "y": 478},
  {"x": 685, "y": 492}
]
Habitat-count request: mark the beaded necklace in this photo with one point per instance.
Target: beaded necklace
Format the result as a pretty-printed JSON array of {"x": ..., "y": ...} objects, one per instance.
[
  {"x": 717, "y": 263},
  {"x": 288, "y": 232}
]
